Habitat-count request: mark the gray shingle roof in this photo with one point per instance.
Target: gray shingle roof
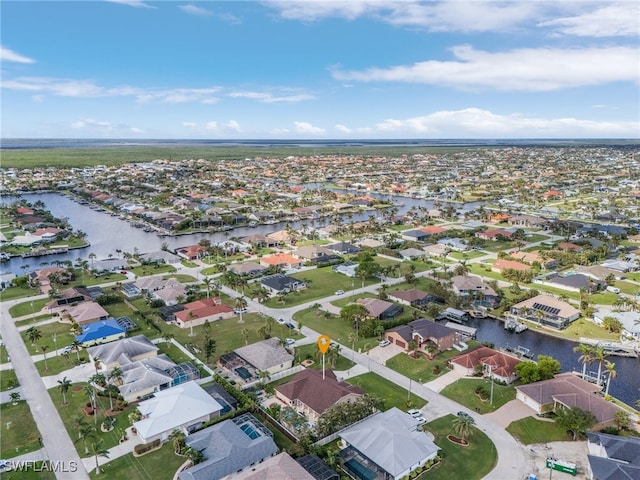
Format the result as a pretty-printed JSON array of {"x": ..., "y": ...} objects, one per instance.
[{"x": 266, "y": 354}]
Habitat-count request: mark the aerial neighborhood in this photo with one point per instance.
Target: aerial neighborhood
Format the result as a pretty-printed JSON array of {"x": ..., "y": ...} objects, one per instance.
[{"x": 170, "y": 316}]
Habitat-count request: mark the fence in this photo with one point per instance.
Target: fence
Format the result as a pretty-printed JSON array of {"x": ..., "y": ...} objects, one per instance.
[{"x": 274, "y": 377}]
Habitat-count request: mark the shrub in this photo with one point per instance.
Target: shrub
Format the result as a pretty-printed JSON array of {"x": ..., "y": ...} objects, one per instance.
[{"x": 141, "y": 449}]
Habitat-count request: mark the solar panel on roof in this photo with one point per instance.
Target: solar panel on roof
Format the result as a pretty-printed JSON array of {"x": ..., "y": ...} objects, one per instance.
[{"x": 546, "y": 309}]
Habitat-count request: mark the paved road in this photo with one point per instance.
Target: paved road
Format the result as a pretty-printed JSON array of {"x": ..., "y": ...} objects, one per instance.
[{"x": 57, "y": 444}]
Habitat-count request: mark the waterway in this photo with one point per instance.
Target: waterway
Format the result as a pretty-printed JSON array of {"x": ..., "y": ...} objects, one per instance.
[
  {"x": 107, "y": 234},
  {"x": 626, "y": 386}
]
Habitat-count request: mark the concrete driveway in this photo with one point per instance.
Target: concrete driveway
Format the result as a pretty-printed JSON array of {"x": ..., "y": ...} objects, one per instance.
[
  {"x": 510, "y": 412},
  {"x": 382, "y": 354}
]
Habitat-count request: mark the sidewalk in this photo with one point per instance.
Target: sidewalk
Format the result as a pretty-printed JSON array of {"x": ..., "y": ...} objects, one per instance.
[{"x": 117, "y": 451}]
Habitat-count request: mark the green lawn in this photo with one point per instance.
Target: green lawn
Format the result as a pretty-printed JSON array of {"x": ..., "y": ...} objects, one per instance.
[
  {"x": 532, "y": 430},
  {"x": 17, "y": 292},
  {"x": 30, "y": 320},
  {"x": 120, "y": 310},
  {"x": 181, "y": 277},
  {"x": 579, "y": 328},
  {"x": 8, "y": 380},
  {"x": 69, "y": 414},
  {"x": 422, "y": 369},
  {"x": 392, "y": 394},
  {"x": 463, "y": 392},
  {"x": 331, "y": 325},
  {"x": 311, "y": 351},
  {"x": 63, "y": 338},
  {"x": 26, "y": 308},
  {"x": 19, "y": 432},
  {"x": 161, "y": 464},
  {"x": 4, "y": 356},
  {"x": 146, "y": 270},
  {"x": 59, "y": 364},
  {"x": 35, "y": 472},
  {"x": 472, "y": 462}
]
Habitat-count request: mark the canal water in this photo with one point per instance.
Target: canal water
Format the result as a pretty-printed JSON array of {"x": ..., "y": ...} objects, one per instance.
[{"x": 107, "y": 234}]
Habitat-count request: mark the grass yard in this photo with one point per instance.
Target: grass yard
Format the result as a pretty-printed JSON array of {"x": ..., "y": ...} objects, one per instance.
[
  {"x": 8, "y": 380},
  {"x": 469, "y": 255},
  {"x": 63, "y": 337},
  {"x": 422, "y": 369},
  {"x": 19, "y": 432},
  {"x": 181, "y": 277},
  {"x": 146, "y": 270},
  {"x": 392, "y": 394},
  {"x": 532, "y": 430},
  {"x": 311, "y": 351},
  {"x": 4, "y": 356},
  {"x": 17, "y": 292},
  {"x": 463, "y": 392},
  {"x": 59, "y": 364},
  {"x": 30, "y": 320},
  {"x": 160, "y": 464},
  {"x": 472, "y": 462},
  {"x": 74, "y": 410},
  {"x": 120, "y": 310},
  {"x": 331, "y": 325},
  {"x": 35, "y": 472},
  {"x": 26, "y": 308},
  {"x": 579, "y": 328}
]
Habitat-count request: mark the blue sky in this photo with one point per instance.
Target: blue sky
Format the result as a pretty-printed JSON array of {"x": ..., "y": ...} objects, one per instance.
[{"x": 320, "y": 69}]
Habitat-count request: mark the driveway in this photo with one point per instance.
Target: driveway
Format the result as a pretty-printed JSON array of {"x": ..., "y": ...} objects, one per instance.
[
  {"x": 382, "y": 354},
  {"x": 442, "y": 381},
  {"x": 510, "y": 412}
]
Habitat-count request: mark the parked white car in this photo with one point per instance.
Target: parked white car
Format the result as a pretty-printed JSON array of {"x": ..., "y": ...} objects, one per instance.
[
  {"x": 384, "y": 343},
  {"x": 414, "y": 412}
]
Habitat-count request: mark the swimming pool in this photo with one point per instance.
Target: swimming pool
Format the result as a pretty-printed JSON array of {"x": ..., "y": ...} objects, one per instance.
[{"x": 250, "y": 431}]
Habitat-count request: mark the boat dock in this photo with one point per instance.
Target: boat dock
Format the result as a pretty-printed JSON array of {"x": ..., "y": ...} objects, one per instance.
[
  {"x": 469, "y": 332},
  {"x": 514, "y": 325}
]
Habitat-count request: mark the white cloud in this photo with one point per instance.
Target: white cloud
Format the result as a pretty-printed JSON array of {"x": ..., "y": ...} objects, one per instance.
[
  {"x": 132, "y": 3},
  {"x": 193, "y": 10},
  {"x": 478, "y": 123},
  {"x": 307, "y": 128},
  {"x": 471, "y": 16},
  {"x": 90, "y": 123},
  {"x": 233, "y": 125},
  {"x": 37, "y": 98},
  {"x": 8, "y": 55},
  {"x": 264, "y": 97},
  {"x": 342, "y": 128},
  {"x": 618, "y": 19},
  {"x": 213, "y": 126},
  {"x": 530, "y": 69}
]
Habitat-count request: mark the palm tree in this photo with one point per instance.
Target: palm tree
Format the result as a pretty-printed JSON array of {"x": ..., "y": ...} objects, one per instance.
[
  {"x": 240, "y": 305},
  {"x": 98, "y": 451},
  {"x": 598, "y": 356},
  {"x": 44, "y": 353},
  {"x": 76, "y": 345},
  {"x": 179, "y": 444},
  {"x": 167, "y": 338},
  {"x": 586, "y": 356},
  {"x": 64, "y": 385},
  {"x": 462, "y": 425},
  {"x": 115, "y": 376},
  {"x": 85, "y": 432},
  {"x": 245, "y": 333},
  {"x": 207, "y": 281},
  {"x": 33, "y": 334},
  {"x": 14, "y": 397},
  {"x": 611, "y": 374}
]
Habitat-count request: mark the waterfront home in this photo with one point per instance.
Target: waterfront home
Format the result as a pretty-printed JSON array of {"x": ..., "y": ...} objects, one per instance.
[
  {"x": 184, "y": 407},
  {"x": 494, "y": 234},
  {"x": 599, "y": 272},
  {"x": 311, "y": 393},
  {"x": 547, "y": 311},
  {"x": 200, "y": 311},
  {"x": 41, "y": 277},
  {"x": 230, "y": 448},
  {"x": 470, "y": 286},
  {"x": 192, "y": 252},
  {"x": 414, "y": 298},
  {"x": 250, "y": 269},
  {"x": 630, "y": 321},
  {"x": 160, "y": 256},
  {"x": 567, "y": 390},
  {"x": 316, "y": 254},
  {"x": 430, "y": 337},
  {"x": 571, "y": 283},
  {"x": 386, "y": 445},
  {"x": 380, "y": 309},
  {"x": 343, "y": 248},
  {"x": 492, "y": 363},
  {"x": 503, "y": 264}
]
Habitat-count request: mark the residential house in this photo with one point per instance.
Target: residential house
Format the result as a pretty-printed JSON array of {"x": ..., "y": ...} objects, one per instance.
[
  {"x": 387, "y": 445},
  {"x": 343, "y": 248},
  {"x": 411, "y": 253},
  {"x": 546, "y": 310},
  {"x": 470, "y": 286},
  {"x": 122, "y": 352},
  {"x": 598, "y": 272},
  {"x": 41, "y": 277},
  {"x": 266, "y": 356},
  {"x": 494, "y": 234},
  {"x": 200, "y": 311},
  {"x": 250, "y": 269},
  {"x": 280, "y": 283},
  {"x": 316, "y": 254},
  {"x": 430, "y": 337},
  {"x": 280, "y": 467},
  {"x": 414, "y": 235},
  {"x": 66, "y": 297},
  {"x": 528, "y": 221},
  {"x": 160, "y": 256},
  {"x": 229, "y": 448},
  {"x": 311, "y": 395},
  {"x": 414, "y": 298},
  {"x": 438, "y": 250},
  {"x": 259, "y": 240},
  {"x": 571, "y": 283},
  {"x": 567, "y": 390},
  {"x": 493, "y": 363},
  {"x": 183, "y": 407},
  {"x": 620, "y": 265},
  {"x": 106, "y": 265},
  {"x": 380, "y": 309},
  {"x": 630, "y": 321},
  {"x": 282, "y": 237},
  {"x": 433, "y": 229},
  {"x": 85, "y": 312},
  {"x": 103, "y": 331},
  {"x": 502, "y": 264},
  {"x": 346, "y": 268},
  {"x": 450, "y": 243},
  {"x": 613, "y": 457},
  {"x": 281, "y": 260},
  {"x": 192, "y": 252}
]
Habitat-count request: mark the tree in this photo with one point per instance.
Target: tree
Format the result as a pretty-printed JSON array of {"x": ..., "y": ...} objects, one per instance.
[
  {"x": 586, "y": 356},
  {"x": 98, "y": 451},
  {"x": 598, "y": 356},
  {"x": 245, "y": 332},
  {"x": 33, "y": 334},
  {"x": 576, "y": 421},
  {"x": 167, "y": 338},
  {"x": 64, "y": 385},
  {"x": 528, "y": 372},
  {"x": 179, "y": 444},
  {"x": 240, "y": 305},
  {"x": 622, "y": 420},
  {"x": 14, "y": 397},
  {"x": 115, "y": 376},
  {"x": 548, "y": 367},
  {"x": 462, "y": 425},
  {"x": 209, "y": 348},
  {"x": 611, "y": 374},
  {"x": 86, "y": 433},
  {"x": 207, "y": 283},
  {"x": 412, "y": 347},
  {"x": 44, "y": 349},
  {"x": 611, "y": 324},
  {"x": 196, "y": 456}
]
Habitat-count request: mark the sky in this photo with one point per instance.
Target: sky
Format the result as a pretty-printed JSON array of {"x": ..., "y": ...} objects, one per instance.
[{"x": 139, "y": 69}]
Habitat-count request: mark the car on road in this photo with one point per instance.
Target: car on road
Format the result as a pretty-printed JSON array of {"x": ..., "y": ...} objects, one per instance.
[
  {"x": 5, "y": 466},
  {"x": 421, "y": 420},
  {"x": 240, "y": 310},
  {"x": 414, "y": 412},
  {"x": 384, "y": 343},
  {"x": 281, "y": 321},
  {"x": 465, "y": 415},
  {"x": 339, "y": 292},
  {"x": 290, "y": 341},
  {"x": 290, "y": 325}
]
